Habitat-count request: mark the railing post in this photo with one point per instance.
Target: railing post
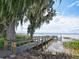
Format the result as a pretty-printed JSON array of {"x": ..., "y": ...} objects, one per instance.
[
  {"x": 14, "y": 47},
  {"x": 42, "y": 43},
  {"x": 5, "y": 44}
]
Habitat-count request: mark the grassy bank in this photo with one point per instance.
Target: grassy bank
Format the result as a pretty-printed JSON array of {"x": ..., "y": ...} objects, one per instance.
[
  {"x": 22, "y": 37},
  {"x": 72, "y": 44},
  {"x": 72, "y": 47}
]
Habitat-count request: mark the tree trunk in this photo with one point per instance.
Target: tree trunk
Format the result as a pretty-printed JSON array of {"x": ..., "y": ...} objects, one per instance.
[
  {"x": 10, "y": 32},
  {"x": 31, "y": 36}
]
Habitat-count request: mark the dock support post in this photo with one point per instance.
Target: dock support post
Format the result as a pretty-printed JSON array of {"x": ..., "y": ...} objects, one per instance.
[{"x": 14, "y": 47}]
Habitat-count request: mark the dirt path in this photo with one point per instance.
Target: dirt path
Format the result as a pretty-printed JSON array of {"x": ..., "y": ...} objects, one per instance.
[{"x": 39, "y": 55}]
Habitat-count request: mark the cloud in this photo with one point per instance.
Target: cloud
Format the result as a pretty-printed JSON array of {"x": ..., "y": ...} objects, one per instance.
[
  {"x": 22, "y": 28},
  {"x": 71, "y": 5},
  {"x": 76, "y": 3},
  {"x": 60, "y": 24}
]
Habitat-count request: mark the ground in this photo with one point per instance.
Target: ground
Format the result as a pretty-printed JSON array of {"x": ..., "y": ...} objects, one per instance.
[{"x": 33, "y": 54}]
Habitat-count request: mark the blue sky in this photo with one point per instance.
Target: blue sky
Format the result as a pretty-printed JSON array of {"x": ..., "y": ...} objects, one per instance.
[
  {"x": 66, "y": 20},
  {"x": 68, "y": 7}
]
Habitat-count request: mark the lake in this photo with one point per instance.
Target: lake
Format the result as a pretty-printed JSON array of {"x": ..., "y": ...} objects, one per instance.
[{"x": 57, "y": 46}]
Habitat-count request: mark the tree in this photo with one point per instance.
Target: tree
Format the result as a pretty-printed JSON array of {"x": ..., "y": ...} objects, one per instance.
[
  {"x": 37, "y": 14},
  {"x": 12, "y": 11}
]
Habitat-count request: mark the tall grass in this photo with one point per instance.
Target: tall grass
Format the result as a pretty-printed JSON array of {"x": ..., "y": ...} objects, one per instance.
[{"x": 72, "y": 44}]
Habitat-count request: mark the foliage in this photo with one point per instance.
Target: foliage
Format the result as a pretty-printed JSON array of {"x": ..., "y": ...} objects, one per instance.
[
  {"x": 21, "y": 37},
  {"x": 72, "y": 44},
  {"x": 12, "y": 11},
  {"x": 1, "y": 42},
  {"x": 37, "y": 14}
]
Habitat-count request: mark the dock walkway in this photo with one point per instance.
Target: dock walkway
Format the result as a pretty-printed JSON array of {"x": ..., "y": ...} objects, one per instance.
[{"x": 4, "y": 53}]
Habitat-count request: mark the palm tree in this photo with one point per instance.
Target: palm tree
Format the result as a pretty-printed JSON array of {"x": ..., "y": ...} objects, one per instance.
[
  {"x": 36, "y": 14},
  {"x": 12, "y": 11}
]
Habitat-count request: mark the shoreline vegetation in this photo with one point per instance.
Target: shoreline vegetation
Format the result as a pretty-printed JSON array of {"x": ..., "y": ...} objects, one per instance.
[{"x": 72, "y": 47}]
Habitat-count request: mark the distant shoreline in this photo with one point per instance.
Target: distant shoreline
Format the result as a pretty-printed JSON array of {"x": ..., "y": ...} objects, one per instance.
[{"x": 52, "y": 33}]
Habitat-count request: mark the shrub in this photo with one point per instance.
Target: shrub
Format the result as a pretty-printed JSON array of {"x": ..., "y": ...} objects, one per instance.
[
  {"x": 73, "y": 44},
  {"x": 22, "y": 37},
  {"x": 1, "y": 42}
]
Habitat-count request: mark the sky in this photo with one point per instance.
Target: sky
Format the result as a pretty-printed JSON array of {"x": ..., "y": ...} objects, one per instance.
[{"x": 66, "y": 20}]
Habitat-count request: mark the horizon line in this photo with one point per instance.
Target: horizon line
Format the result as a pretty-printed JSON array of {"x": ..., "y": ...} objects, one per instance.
[{"x": 54, "y": 33}]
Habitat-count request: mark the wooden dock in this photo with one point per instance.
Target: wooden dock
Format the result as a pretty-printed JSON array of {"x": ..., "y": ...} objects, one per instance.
[{"x": 37, "y": 41}]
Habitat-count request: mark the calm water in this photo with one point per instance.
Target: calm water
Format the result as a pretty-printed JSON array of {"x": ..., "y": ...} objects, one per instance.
[{"x": 58, "y": 45}]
